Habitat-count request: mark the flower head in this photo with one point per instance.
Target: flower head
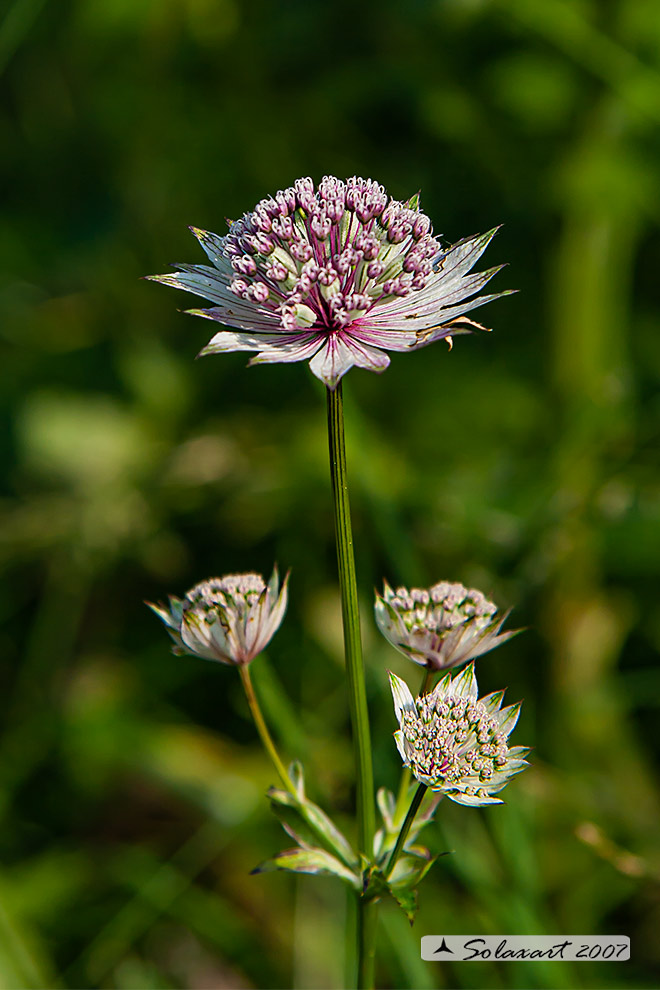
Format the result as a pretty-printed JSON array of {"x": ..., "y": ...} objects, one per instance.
[
  {"x": 230, "y": 619},
  {"x": 440, "y": 627},
  {"x": 337, "y": 274},
  {"x": 454, "y": 742}
]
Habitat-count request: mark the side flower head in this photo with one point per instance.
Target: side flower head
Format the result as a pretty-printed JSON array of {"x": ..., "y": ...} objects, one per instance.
[
  {"x": 439, "y": 627},
  {"x": 455, "y": 743},
  {"x": 230, "y": 619},
  {"x": 336, "y": 274}
]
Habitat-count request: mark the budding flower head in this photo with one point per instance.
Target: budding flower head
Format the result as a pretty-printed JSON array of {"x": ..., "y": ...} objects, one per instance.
[
  {"x": 439, "y": 627},
  {"x": 455, "y": 743},
  {"x": 230, "y": 619},
  {"x": 336, "y": 274}
]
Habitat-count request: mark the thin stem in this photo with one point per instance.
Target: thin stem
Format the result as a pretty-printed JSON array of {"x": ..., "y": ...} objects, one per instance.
[
  {"x": 429, "y": 674},
  {"x": 262, "y": 728},
  {"x": 405, "y": 828},
  {"x": 367, "y": 922},
  {"x": 357, "y": 696},
  {"x": 351, "y": 621}
]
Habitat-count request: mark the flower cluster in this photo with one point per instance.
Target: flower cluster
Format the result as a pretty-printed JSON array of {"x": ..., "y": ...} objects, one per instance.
[
  {"x": 336, "y": 274},
  {"x": 439, "y": 627},
  {"x": 455, "y": 743},
  {"x": 230, "y": 619}
]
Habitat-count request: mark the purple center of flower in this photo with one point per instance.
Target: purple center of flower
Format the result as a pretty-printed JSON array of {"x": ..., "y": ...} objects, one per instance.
[{"x": 322, "y": 258}]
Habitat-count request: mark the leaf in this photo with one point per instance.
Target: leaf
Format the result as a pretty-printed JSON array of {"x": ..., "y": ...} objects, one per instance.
[
  {"x": 314, "y": 861},
  {"x": 407, "y": 901},
  {"x": 322, "y": 824},
  {"x": 387, "y": 806},
  {"x": 294, "y": 824},
  {"x": 393, "y": 817},
  {"x": 297, "y": 776},
  {"x": 410, "y": 871},
  {"x": 310, "y": 821}
]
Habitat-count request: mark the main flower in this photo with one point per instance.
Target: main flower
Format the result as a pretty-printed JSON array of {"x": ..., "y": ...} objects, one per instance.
[
  {"x": 440, "y": 627},
  {"x": 337, "y": 274},
  {"x": 455, "y": 743},
  {"x": 230, "y": 619}
]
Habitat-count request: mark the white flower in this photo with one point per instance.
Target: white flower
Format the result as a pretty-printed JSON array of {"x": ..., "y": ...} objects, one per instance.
[
  {"x": 230, "y": 619},
  {"x": 439, "y": 627},
  {"x": 455, "y": 743},
  {"x": 336, "y": 275}
]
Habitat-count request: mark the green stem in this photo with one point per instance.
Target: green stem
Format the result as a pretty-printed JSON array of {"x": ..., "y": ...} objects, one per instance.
[
  {"x": 405, "y": 828},
  {"x": 262, "y": 728},
  {"x": 429, "y": 674},
  {"x": 367, "y": 921},
  {"x": 351, "y": 621},
  {"x": 357, "y": 696}
]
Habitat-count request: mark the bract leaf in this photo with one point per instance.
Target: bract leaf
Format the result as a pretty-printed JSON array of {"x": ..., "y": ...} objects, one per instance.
[
  {"x": 313, "y": 824},
  {"x": 407, "y": 901},
  {"x": 387, "y": 806},
  {"x": 410, "y": 871},
  {"x": 314, "y": 861}
]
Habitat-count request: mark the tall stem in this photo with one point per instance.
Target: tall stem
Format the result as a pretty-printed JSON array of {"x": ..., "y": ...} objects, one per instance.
[
  {"x": 367, "y": 921},
  {"x": 351, "y": 621},
  {"x": 262, "y": 728},
  {"x": 405, "y": 828},
  {"x": 366, "y": 910}
]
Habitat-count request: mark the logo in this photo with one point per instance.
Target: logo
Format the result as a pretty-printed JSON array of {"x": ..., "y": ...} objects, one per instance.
[{"x": 514, "y": 948}]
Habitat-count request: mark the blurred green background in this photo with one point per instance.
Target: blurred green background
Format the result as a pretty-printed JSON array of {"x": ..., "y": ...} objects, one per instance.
[{"x": 525, "y": 463}]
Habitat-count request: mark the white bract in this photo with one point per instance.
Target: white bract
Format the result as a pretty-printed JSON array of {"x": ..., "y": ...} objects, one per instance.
[
  {"x": 439, "y": 627},
  {"x": 455, "y": 743},
  {"x": 230, "y": 619}
]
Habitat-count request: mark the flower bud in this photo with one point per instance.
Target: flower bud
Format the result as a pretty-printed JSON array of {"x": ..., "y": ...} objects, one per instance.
[
  {"x": 441, "y": 627},
  {"x": 230, "y": 619}
]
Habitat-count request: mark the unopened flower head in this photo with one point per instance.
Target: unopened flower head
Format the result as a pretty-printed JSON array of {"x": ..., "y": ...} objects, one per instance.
[
  {"x": 338, "y": 274},
  {"x": 230, "y": 619},
  {"x": 439, "y": 627},
  {"x": 455, "y": 743}
]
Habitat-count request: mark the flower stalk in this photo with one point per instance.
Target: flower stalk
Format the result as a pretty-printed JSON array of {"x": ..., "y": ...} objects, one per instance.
[
  {"x": 351, "y": 623},
  {"x": 405, "y": 828},
  {"x": 366, "y": 910},
  {"x": 262, "y": 728}
]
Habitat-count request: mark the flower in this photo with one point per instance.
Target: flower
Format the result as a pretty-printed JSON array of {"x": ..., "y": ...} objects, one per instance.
[
  {"x": 455, "y": 743},
  {"x": 440, "y": 627},
  {"x": 230, "y": 619},
  {"x": 336, "y": 274}
]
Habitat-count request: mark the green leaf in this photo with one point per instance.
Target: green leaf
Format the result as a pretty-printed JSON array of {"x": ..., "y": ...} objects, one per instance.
[
  {"x": 317, "y": 819},
  {"x": 297, "y": 775},
  {"x": 411, "y": 870},
  {"x": 407, "y": 901},
  {"x": 309, "y": 821},
  {"x": 315, "y": 861},
  {"x": 393, "y": 817},
  {"x": 294, "y": 825},
  {"x": 387, "y": 806}
]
